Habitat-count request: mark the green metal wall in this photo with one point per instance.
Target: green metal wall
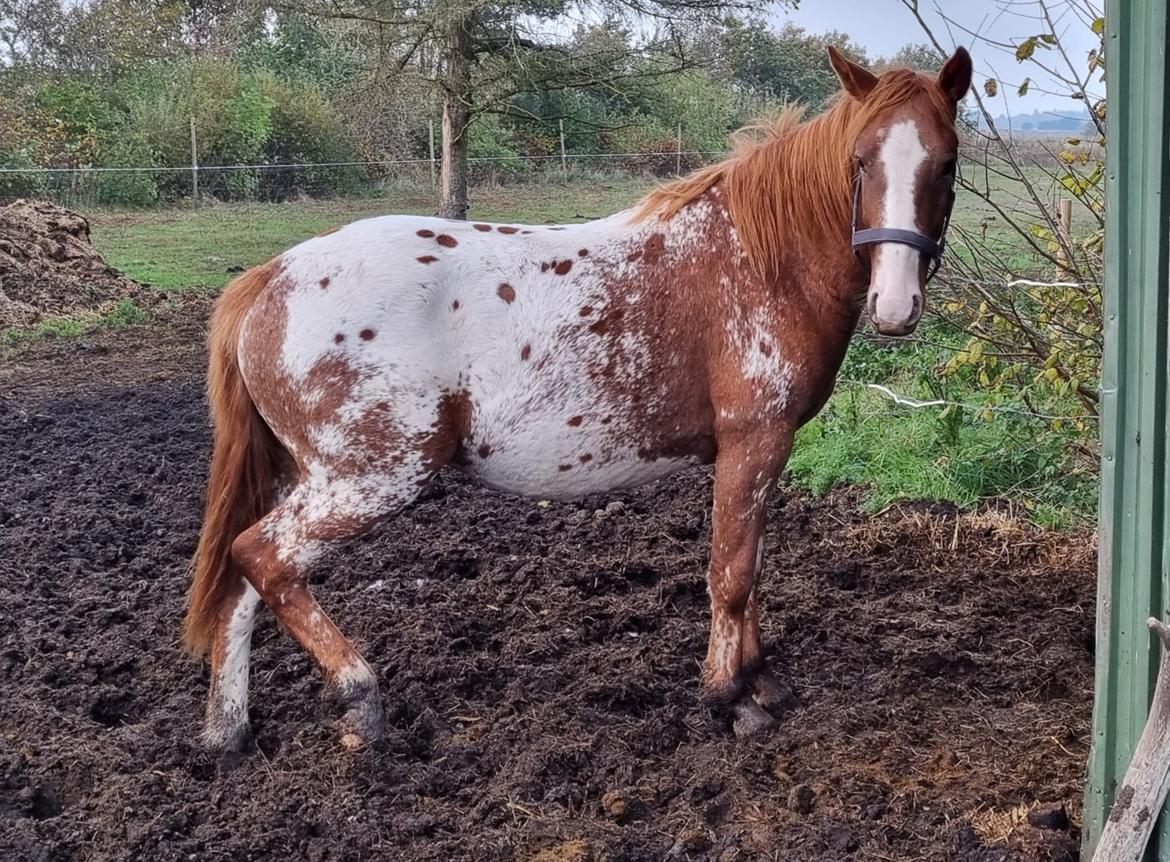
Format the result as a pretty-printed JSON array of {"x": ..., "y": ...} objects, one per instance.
[{"x": 1134, "y": 582}]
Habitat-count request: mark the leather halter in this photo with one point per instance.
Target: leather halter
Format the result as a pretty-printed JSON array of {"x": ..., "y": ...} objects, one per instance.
[{"x": 932, "y": 248}]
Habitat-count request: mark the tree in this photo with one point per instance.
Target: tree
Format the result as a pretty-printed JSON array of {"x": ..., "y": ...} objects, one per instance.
[
  {"x": 788, "y": 66},
  {"x": 482, "y": 55}
]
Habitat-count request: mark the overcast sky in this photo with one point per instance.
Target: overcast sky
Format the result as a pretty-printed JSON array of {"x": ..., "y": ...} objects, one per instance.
[{"x": 884, "y": 26}]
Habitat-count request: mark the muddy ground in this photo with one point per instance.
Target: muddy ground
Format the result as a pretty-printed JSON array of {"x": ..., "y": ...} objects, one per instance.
[{"x": 539, "y": 665}]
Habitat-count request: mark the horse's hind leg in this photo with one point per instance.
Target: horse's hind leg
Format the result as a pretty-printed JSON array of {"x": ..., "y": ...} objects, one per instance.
[
  {"x": 227, "y": 702},
  {"x": 276, "y": 556}
]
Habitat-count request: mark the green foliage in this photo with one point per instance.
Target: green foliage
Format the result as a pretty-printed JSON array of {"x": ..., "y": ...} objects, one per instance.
[
  {"x": 789, "y": 65},
  {"x": 955, "y": 454},
  {"x": 1037, "y": 341}
]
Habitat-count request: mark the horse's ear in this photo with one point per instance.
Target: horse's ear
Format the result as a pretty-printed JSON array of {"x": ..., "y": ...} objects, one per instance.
[
  {"x": 955, "y": 77},
  {"x": 857, "y": 80}
]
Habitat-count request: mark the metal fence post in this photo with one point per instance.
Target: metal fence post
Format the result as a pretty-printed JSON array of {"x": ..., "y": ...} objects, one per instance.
[
  {"x": 678, "y": 151},
  {"x": 1135, "y": 495},
  {"x": 564, "y": 160},
  {"x": 194, "y": 165}
]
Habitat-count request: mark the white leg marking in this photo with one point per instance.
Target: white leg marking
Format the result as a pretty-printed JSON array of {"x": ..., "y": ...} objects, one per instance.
[{"x": 232, "y": 688}]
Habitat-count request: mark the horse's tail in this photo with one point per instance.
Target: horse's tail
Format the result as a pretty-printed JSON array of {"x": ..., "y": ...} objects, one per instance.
[{"x": 246, "y": 462}]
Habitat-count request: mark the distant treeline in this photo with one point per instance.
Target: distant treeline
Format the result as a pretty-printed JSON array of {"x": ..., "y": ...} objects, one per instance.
[{"x": 121, "y": 83}]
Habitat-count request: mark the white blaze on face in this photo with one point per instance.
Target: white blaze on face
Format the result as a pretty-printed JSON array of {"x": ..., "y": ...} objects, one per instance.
[{"x": 895, "y": 290}]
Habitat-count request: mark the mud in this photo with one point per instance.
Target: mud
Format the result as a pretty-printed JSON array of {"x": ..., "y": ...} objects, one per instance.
[{"x": 538, "y": 662}]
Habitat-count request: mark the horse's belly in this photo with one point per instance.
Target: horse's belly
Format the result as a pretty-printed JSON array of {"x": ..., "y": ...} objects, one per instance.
[{"x": 543, "y": 461}]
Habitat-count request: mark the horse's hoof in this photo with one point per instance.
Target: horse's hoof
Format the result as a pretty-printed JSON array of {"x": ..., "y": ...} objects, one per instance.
[
  {"x": 363, "y": 724},
  {"x": 225, "y": 738},
  {"x": 773, "y": 695},
  {"x": 721, "y": 692},
  {"x": 751, "y": 719}
]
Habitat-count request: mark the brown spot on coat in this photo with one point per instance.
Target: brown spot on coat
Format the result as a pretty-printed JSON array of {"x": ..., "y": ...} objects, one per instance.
[
  {"x": 544, "y": 267},
  {"x": 586, "y": 310},
  {"x": 425, "y": 234},
  {"x": 446, "y": 240},
  {"x": 565, "y": 467},
  {"x": 484, "y": 450},
  {"x": 367, "y": 335},
  {"x": 576, "y": 420},
  {"x": 482, "y": 227},
  {"x": 563, "y": 267},
  {"x": 507, "y": 229},
  {"x": 655, "y": 248},
  {"x": 338, "y": 338},
  {"x": 324, "y": 282},
  {"x": 455, "y": 305},
  {"x": 427, "y": 258},
  {"x": 586, "y": 458},
  {"x": 525, "y": 352},
  {"x": 506, "y": 292},
  {"x": 584, "y": 252}
]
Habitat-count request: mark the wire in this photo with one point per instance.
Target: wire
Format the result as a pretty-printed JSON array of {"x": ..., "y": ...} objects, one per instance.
[
  {"x": 914, "y": 403},
  {"x": 381, "y": 162}
]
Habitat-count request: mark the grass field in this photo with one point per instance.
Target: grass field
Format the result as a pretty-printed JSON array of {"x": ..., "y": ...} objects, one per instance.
[
  {"x": 199, "y": 248},
  {"x": 960, "y": 455}
]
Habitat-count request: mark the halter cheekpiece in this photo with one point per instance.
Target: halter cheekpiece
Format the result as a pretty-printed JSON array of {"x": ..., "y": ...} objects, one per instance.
[{"x": 932, "y": 248}]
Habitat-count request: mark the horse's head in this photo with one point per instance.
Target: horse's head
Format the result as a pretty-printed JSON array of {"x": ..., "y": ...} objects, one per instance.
[{"x": 905, "y": 158}]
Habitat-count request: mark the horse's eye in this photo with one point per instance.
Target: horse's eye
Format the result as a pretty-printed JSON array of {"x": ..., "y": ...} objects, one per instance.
[
  {"x": 948, "y": 168},
  {"x": 860, "y": 162}
]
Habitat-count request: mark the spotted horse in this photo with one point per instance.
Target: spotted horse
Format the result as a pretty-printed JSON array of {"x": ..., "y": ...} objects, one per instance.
[{"x": 705, "y": 325}]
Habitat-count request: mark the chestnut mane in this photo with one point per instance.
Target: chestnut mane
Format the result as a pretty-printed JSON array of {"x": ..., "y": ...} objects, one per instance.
[{"x": 789, "y": 179}]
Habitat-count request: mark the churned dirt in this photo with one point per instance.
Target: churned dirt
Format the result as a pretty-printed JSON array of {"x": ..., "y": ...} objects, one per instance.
[
  {"x": 539, "y": 665},
  {"x": 49, "y": 268}
]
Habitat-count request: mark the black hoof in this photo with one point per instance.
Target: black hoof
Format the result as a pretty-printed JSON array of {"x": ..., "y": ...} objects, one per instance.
[
  {"x": 773, "y": 695},
  {"x": 751, "y": 719},
  {"x": 363, "y": 723}
]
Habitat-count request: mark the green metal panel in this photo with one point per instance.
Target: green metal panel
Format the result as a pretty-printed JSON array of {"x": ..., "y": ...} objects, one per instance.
[{"x": 1133, "y": 581}]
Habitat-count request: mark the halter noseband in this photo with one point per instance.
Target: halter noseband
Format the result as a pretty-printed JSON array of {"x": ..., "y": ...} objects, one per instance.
[{"x": 932, "y": 248}]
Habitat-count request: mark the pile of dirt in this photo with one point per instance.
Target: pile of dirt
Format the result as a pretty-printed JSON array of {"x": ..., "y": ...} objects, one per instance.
[
  {"x": 539, "y": 664},
  {"x": 48, "y": 267}
]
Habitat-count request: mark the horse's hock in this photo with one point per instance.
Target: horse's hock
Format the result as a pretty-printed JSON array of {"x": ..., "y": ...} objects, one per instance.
[{"x": 48, "y": 267}]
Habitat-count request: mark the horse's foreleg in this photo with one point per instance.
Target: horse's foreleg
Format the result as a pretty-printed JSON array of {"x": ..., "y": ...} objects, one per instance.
[
  {"x": 767, "y": 690},
  {"x": 746, "y": 470}
]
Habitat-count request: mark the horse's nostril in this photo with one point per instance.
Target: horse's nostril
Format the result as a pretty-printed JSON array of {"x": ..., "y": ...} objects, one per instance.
[
  {"x": 917, "y": 305},
  {"x": 872, "y": 303}
]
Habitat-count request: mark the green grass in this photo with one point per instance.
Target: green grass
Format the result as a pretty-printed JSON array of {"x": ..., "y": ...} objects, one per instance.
[
  {"x": 200, "y": 248},
  {"x": 958, "y": 455},
  {"x": 125, "y": 313}
]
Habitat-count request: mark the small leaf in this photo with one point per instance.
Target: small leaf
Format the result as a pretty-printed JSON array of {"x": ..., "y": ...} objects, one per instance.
[
  {"x": 1023, "y": 91},
  {"x": 1099, "y": 26},
  {"x": 991, "y": 87},
  {"x": 1048, "y": 38},
  {"x": 1026, "y": 49}
]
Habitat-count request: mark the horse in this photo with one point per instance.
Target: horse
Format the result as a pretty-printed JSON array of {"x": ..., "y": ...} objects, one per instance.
[{"x": 705, "y": 325}]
